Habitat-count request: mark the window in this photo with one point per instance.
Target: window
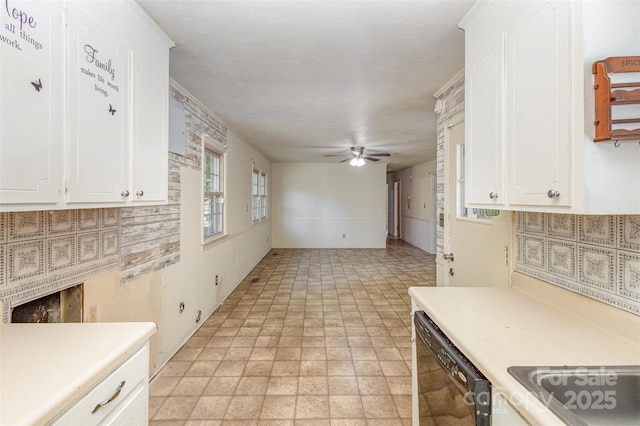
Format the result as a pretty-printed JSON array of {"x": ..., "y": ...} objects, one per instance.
[
  {"x": 259, "y": 192},
  {"x": 213, "y": 189}
]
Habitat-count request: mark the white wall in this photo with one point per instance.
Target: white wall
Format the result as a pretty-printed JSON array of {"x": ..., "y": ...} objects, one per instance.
[
  {"x": 156, "y": 296},
  {"x": 314, "y": 205},
  {"x": 418, "y": 219}
]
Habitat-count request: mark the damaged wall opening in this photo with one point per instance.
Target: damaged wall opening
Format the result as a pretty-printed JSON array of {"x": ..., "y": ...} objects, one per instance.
[{"x": 62, "y": 306}]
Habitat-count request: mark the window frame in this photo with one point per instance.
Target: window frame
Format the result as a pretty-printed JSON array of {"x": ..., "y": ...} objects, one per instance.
[
  {"x": 211, "y": 146},
  {"x": 259, "y": 195}
]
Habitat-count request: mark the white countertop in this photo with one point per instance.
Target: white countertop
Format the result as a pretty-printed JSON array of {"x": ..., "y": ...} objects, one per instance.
[
  {"x": 501, "y": 327},
  {"x": 46, "y": 367}
]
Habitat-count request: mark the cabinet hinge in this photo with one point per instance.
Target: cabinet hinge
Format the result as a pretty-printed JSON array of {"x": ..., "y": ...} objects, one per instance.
[{"x": 66, "y": 186}]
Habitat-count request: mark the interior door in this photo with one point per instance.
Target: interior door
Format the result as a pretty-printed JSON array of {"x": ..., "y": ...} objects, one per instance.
[{"x": 476, "y": 243}]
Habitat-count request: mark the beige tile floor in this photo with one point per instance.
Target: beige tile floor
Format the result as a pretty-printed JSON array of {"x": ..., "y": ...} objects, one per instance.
[{"x": 317, "y": 337}]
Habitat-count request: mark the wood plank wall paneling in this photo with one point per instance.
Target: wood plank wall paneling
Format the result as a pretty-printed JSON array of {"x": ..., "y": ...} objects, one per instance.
[
  {"x": 150, "y": 236},
  {"x": 453, "y": 99}
]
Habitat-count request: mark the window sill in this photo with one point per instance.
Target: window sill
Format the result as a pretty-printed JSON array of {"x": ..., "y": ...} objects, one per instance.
[{"x": 213, "y": 241}]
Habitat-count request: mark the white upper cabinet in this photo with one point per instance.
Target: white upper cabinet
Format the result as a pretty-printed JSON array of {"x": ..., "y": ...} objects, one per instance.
[
  {"x": 484, "y": 81},
  {"x": 539, "y": 106},
  {"x": 31, "y": 102},
  {"x": 529, "y": 107},
  {"x": 150, "y": 130},
  {"x": 112, "y": 101},
  {"x": 98, "y": 112}
]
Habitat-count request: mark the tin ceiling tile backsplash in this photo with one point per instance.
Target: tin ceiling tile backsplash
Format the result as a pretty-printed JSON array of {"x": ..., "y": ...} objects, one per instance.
[
  {"x": 534, "y": 223},
  {"x": 88, "y": 247},
  {"x": 3, "y": 227},
  {"x": 596, "y": 266},
  {"x": 534, "y": 251},
  {"x": 599, "y": 230},
  {"x": 110, "y": 218},
  {"x": 61, "y": 222},
  {"x": 46, "y": 251},
  {"x": 597, "y": 256},
  {"x": 25, "y": 226},
  {"x": 61, "y": 253},
  {"x": 561, "y": 258},
  {"x": 25, "y": 261},
  {"x": 562, "y": 226},
  {"x": 110, "y": 243},
  {"x": 629, "y": 274},
  {"x": 88, "y": 220},
  {"x": 629, "y": 233},
  {"x": 3, "y": 262}
]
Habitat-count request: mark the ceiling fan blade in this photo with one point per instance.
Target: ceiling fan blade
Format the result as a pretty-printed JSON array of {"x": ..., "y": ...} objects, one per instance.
[
  {"x": 380, "y": 154},
  {"x": 370, "y": 158},
  {"x": 346, "y": 159},
  {"x": 336, "y": 155}
]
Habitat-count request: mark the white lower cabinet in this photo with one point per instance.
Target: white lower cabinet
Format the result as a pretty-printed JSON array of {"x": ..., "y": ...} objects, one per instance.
[
  {"x": 120, "y": 398},
  {"x": 133, "y": 411}
]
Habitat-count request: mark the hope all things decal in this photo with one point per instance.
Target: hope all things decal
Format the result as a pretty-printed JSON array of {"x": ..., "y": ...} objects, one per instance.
[{"x": 17, "y": 29}]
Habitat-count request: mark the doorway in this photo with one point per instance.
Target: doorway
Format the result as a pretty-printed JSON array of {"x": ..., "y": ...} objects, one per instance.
[
  {"x": 477, "y": 242},
  {"x": 393, "y": 209}
]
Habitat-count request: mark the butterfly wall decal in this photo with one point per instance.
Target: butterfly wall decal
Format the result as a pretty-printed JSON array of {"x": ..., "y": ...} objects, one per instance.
[
  {"x": 37, "y": 85},
  {"x": 112, "y": 110}
]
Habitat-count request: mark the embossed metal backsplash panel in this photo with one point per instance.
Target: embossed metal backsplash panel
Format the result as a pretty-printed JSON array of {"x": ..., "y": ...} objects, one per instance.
[
  {"x": 597, "y": 256},
  {"x": 45, "y": 251}
]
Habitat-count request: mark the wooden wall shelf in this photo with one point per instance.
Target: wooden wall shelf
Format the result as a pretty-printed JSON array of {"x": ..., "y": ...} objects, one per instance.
[{"x": 609, "y": 94}]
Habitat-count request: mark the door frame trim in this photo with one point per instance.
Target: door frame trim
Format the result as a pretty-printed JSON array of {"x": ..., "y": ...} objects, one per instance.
[{"x": 448, "y": 125}]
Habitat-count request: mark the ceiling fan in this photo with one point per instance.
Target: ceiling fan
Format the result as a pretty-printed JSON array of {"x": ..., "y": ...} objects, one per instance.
[{"x": 357, "y": 156}]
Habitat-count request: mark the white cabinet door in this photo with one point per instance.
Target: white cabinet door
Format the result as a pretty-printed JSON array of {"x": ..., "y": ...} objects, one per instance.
[
  {"x": 31, "y": 102},
  {"x": 150, "y": 130},
  {"x": 98, "y": 111},
  {"x": 484, "y": 82},
  {"x": 539, "y": 106}
]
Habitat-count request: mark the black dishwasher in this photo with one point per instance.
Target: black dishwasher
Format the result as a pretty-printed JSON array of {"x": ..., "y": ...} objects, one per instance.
[{"x": 451, "y": 391}]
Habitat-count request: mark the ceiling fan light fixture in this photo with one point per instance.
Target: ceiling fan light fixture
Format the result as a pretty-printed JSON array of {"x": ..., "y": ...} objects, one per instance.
[{"x": 357, "y": 162}]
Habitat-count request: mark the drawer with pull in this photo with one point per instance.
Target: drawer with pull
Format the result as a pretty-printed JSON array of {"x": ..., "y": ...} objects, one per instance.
[{"x": 103, "y": 398}]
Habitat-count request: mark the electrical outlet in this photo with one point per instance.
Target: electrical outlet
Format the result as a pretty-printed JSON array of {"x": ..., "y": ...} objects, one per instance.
[
  {"x": 93, "y": 313},
  {"x": 216, "y": 279},
  {"x": 344, "y": 236}
]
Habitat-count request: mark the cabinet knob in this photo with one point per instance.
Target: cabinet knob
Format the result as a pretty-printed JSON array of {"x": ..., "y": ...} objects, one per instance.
[
  {"x": 553, "y": 193},
  {"x": 493, "y": 195},
  {"x": 125, "y": 193},
  {"x": 140, "y": 193}
]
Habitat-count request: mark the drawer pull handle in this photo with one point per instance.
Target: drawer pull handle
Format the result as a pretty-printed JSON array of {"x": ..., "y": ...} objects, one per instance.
[{"x": 114, "y": 396}]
